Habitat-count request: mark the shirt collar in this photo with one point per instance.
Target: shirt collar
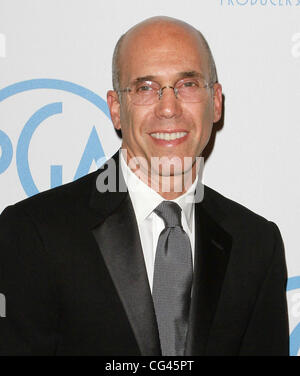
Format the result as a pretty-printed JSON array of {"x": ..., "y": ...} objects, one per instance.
[{"x": 145, "y": 199}]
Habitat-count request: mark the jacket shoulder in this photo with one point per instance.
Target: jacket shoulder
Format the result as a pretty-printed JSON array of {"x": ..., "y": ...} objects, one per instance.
[
  {"x": 228, "y": 210},
  {"x": 59, "y": 200}
]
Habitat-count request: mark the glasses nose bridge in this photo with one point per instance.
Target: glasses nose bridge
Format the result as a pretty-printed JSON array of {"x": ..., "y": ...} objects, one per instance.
[{"x": 174, "y": 89}]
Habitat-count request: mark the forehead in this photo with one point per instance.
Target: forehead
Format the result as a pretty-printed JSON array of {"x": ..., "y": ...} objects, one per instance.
[{"x": 162, "y": 50}]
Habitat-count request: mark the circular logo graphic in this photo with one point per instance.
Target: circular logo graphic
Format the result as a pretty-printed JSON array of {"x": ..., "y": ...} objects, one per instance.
[
  {"x": 294, "y": 284},
  {"x": 92, "y": 152}
]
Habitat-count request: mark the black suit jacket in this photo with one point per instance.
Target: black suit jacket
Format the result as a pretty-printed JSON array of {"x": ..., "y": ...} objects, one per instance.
[{"x": 74, "y": 278}]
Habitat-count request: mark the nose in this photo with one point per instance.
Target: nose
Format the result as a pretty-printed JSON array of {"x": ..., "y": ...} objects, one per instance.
[{"x": 168, "y": 105}]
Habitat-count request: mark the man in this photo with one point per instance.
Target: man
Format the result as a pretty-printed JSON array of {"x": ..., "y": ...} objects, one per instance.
[{"x": 151, "y": 270}]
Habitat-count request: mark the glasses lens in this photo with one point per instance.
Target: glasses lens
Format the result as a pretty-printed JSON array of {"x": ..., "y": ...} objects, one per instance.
[
  {"x": 145, "y": 92},
  {"x": 191, "y": 90}
]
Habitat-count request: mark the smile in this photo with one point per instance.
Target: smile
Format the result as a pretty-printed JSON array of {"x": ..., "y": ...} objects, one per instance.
[{"x": 169, "y": 136}]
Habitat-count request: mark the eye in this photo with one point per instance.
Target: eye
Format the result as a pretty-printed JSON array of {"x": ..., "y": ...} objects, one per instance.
[
  {"x": 190, "y": 84},
  {"x": 144, "y": 88},
  {"x": 187, "y": 84}
]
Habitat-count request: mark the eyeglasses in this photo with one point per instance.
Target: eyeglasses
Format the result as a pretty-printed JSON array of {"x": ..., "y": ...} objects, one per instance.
[{"x": 190, "y": 90}]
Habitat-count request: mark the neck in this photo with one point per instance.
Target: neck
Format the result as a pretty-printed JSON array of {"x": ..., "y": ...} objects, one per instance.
[{"x": 172, "y": 186}]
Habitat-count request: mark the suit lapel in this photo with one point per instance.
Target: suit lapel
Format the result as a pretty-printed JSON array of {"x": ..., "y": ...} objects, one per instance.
[
  {"x": 118, "y": 240},
  {"x": 212, "y": 248}
]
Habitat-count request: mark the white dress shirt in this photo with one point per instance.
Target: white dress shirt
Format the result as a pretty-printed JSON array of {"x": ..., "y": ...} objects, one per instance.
[{"x": 145, "y": 200}]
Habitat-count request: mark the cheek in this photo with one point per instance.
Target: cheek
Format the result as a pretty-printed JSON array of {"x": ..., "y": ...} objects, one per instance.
[
  {"x": 132, "y": 121},
  {"x": 204, "y": 119}
]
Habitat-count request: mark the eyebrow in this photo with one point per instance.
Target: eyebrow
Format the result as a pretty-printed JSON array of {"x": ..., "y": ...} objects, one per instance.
[
  {"x": 190, "y": 74},
  {"x": 179, "y": 76},
  {"x": 144, "y": 78}
]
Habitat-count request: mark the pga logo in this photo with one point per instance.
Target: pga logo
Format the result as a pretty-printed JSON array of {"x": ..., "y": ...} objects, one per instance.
[
  {"x": 47, "y": 121},
  {"x": 293, "y": 297}
]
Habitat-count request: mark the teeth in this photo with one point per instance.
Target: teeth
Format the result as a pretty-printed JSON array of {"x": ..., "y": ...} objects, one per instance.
[{"x": 168, "y": 136}]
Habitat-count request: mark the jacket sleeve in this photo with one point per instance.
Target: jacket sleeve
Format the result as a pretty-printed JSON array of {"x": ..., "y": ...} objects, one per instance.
[
  {"x": 27, "y": 282},
  {"x": 268, "y": 330}
]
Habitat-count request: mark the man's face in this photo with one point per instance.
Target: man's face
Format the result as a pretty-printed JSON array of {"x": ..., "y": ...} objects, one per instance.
[{"x": 165, "y": 54}]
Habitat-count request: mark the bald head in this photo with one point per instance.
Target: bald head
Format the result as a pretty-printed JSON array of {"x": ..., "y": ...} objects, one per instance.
[{"x": 158, "y": 28}]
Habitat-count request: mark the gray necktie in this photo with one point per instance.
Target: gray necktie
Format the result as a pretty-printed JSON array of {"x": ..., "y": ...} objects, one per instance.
[{"x": 172, "y": 280}]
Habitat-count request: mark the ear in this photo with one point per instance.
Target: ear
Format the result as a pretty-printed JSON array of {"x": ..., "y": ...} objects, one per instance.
[
  {"x": 114, "y": 108},
  {"x": 217, "y": 102}
]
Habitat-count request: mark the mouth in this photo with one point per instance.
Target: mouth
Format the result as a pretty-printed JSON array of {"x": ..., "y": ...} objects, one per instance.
[{"x": 168, "y": 136}]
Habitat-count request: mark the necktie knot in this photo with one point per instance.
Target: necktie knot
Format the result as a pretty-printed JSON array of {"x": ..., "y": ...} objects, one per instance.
[{"x": 170, "y": 212}]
